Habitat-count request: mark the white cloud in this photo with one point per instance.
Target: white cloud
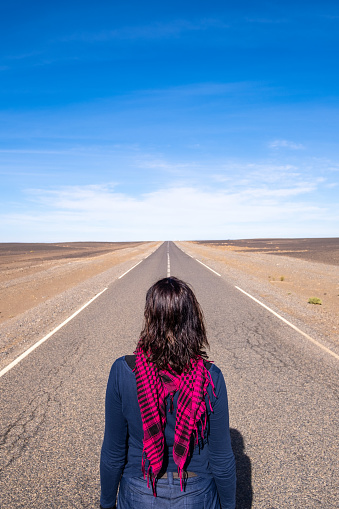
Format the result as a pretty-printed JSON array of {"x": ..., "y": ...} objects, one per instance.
[
  {"x": 160, "y": 163},
  {"x": 101, "y": 213},
  {"x": 188, "y": 200},
  {"x": 286, "y": 144},
  {"x": 257, "y": 173}
]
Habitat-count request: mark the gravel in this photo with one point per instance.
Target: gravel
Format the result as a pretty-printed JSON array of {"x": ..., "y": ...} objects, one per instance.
[
  {"x": 19, "y": 333},
  {"x": 317, "y": 321}
]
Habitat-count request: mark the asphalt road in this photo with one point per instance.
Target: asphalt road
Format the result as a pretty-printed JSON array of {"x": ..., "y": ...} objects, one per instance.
[{"x": 283, "y": 395}]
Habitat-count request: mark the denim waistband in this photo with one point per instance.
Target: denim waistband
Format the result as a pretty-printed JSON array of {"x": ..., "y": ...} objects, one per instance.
[{"x": 175, "y": 475}]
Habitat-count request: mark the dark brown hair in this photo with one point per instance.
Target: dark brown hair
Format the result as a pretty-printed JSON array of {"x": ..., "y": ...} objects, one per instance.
[{"x": 174, "y": 330}]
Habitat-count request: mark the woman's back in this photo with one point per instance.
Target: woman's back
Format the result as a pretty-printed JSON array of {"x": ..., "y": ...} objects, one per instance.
[{"x": 172, "y": 426}]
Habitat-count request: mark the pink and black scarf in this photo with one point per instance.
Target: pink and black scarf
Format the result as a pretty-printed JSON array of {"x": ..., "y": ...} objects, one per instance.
[{"x": 153, "y": 386}]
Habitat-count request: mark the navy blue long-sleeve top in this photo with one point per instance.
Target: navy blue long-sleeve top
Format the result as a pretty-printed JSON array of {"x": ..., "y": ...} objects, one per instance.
[{"x": 122, "y": 447}]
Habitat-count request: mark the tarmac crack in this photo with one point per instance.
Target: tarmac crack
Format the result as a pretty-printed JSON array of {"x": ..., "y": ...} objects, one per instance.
[{"x": 19, "y": 434}]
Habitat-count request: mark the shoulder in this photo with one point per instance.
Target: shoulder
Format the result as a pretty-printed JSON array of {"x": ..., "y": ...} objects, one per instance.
[
  {"x": 121, "y": 377},
  {"x": 122, "y": 365},
  {"x": 218, "y": 379},
  {"x": 214, "y": 370},
  {"x": 130, "y": 361}
]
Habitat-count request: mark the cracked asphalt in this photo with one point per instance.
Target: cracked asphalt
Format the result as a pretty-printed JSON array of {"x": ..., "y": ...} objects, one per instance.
[{"x": 283, "y": 395}]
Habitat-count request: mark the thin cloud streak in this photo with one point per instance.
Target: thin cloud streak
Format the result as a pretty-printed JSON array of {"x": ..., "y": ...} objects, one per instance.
[
  {"x": 152, "y": 31},
  {"x": 286, "y": 144},
  {"x": 266, "y": 21}
]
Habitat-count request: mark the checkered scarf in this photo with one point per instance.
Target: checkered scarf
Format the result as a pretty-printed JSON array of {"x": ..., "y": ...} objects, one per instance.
[{"x": 153, "y": 386}]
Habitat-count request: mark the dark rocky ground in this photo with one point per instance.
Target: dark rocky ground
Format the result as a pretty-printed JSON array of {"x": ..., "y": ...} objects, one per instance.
[
  {"x": 16, "y": 252},
  {"x": 323, "y": 250}
]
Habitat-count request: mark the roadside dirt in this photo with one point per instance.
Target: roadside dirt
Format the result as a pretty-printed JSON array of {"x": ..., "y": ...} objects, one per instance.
[
  {"x": 285, "y": 272},
  {"x": 33, "y": 273}
]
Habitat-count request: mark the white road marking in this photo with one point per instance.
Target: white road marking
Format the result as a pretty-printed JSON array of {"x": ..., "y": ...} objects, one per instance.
[
  {"x": 127, "y": 271},
  {"x": 207, "y": 267},
  {"x": 291, "y": 324},
  {"x": 168, "y": 265},
  {"x": 188, "y": 254},
  {"x": 181, "y": 249},
  {"x": 33, "y": 347}
]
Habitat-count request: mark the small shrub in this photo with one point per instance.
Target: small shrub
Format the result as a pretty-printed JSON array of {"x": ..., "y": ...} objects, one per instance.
[
  {"x": 282, "y": 278},
  {"x": 314, "y": 300}
]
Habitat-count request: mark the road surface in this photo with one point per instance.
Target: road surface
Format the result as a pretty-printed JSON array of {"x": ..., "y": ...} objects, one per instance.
[{"x": 283, "y": 395}]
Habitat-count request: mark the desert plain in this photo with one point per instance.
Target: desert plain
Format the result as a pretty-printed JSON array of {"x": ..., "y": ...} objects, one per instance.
[
  {"x": 42, "y": 284},
  {"x": 284, "y": 274}
]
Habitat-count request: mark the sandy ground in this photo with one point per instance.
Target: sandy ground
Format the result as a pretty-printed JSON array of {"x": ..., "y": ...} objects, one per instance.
[
  {"x": 32, "y": 273},
  {"x": 284, "y": 274},
  {"x": 41, "y": 285}
]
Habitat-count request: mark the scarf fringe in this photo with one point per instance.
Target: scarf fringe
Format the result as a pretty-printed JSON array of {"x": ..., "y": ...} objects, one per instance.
[
  {"x": 143, "y": 461},
  {"x": 151, "y": 478},
  {"x": 210, "y": 381},
  {"x": 180, "y": 477}
]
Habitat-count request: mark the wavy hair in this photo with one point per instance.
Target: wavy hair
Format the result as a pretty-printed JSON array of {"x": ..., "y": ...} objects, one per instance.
[{"x": 174, "y": 331}]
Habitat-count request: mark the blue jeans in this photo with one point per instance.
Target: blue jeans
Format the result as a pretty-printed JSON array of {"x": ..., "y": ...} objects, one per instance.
[{"x": 198, "y": 493}]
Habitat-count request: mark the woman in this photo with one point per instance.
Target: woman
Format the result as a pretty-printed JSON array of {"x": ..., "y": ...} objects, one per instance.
[{"x": 167, "y": 440}]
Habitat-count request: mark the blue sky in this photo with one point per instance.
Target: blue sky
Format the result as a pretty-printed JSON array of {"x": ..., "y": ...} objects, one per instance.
[{"x": 168, "y": 120}]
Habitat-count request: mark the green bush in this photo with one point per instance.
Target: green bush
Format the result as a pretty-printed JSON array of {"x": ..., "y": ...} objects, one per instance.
[{"x": 314, "y": 300}]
